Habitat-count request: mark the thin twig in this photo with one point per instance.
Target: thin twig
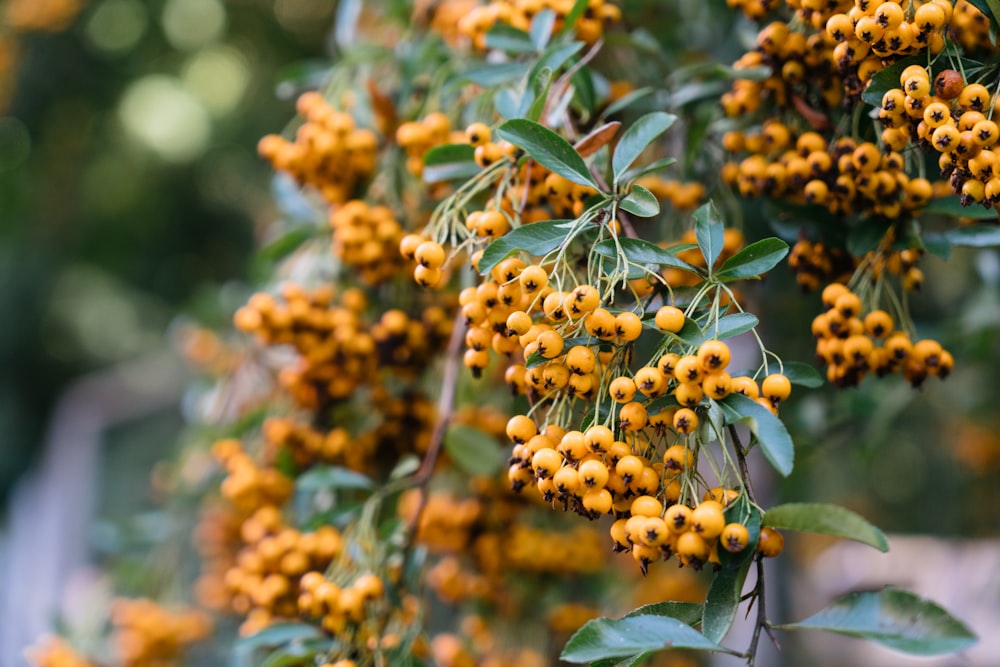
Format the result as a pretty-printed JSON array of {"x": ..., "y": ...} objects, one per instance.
[
  {"x": 449, "y": 383},
  {"x": 627, "y": 226},
  {"x": 761, "y": 612},
  {"x": 560, "y": 85},
  {"x": 741, "y": 456}
]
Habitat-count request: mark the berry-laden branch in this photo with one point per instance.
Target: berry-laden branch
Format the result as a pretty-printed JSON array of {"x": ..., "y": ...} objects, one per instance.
[{"x": 604, "y": 292}]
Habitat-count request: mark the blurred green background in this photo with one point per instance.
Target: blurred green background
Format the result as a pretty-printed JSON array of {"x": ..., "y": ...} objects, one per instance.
[{"x": 130, "y": 188}]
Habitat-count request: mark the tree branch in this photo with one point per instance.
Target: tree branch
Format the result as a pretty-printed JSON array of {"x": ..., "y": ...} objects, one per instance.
[{"x": 446, "y": 402}]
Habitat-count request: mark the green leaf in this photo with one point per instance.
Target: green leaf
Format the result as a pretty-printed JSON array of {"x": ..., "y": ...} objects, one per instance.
[
  {"x": 541, "y": 28},
  {"x": 802, "y": 374},
  {"x": 407, "y": 465},
  {"x": 604, "y": 638},
  {"x": 540, "y": 85},
  {"x": 639, "y": 172},
  {"x": 662, "y": 403},
  {"x": 474, "y": 451},
  {"x": 555, "y": 57},
  {"x": 503, "y": 37},
  {"x": 637, "y": 138},
  {"x": 450, "y": 162},
  {"x": 708, "y": 230},
  {"x": 895, "y": 618},
  {"x": 303, "y": 75},
  {"x": 586, "y": 93},
  {"x": 758, "y": 73},
  {"x": 640, "y": 202},
  {"x": 537, "y": 238},
  {"x": 296, "y": 653},
  {"x": 286, "y": 244},
  {"x": 630, "y": 661},
  {"x": 285, "y": 463},
  {"x": 534, "y": 360},
  {"x": 548, "y": 149},
  {"x": 825, "y": 519},
  {"x": 643, "y": 252},
  {"x": 688, "y": 613},
  {"x": 579, "y": 7},
  {"x": 332, "y": 477},
  {"x": 494, "y": 75},
  {"x": 952, "y": 206},
  {"x": 626, "y": 101},
  {"x": 726, "y": 327},
  {"x": 768, "y": 431},
  {"x": 695, "y": 91},
  {"x": 507, "y": 102},
  {"x": 275, "y": 635},
  {"x": 753, "y": 260},
  {"x": 723, "y": 600}
]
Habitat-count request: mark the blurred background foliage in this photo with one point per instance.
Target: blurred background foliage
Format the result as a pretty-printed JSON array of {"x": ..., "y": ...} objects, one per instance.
[{"x": 129, "y": 183}]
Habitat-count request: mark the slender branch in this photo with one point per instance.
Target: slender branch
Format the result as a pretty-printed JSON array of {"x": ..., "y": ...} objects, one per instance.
[
  {"x": 761, "y": 622},
  {"x": 741, "y": 456},
  {"x": 563, "y": 81},
  {"x": 627, "y": 225},
  {"x": 449, "y": 383}
]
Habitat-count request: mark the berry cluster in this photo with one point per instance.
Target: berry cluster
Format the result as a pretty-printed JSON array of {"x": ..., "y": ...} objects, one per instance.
[
  {"x": 416, "y": 137},
  {"x": 54, "y": 652},
  {"x": 970, "y": 28},
  {"x": 146, "y": 633},
  {"x": 365, "y": 239},
  {"x": 304, "y": 444},
  {"x": 479, "y": 646},
  {"x": 653, "y": 532},
  {"x": 803, "y": 74},
  {"x": 329, "y": 152},
  {"x": 338, "y": 351},
  {"x": 955, "y": 121},
  {"x": 248, "y": 485},
  {"x": 816, "y": 264},
  {"x": 519, "y": 13},
  {"x": 593, "y": 472},
  {"x": 853, "y": 342},
  {"x": 683, "y": 196},
  {"x": 846, "y": 176},
  {"x": 338, "y": 606},
  {"x": 873, "y": 30}
]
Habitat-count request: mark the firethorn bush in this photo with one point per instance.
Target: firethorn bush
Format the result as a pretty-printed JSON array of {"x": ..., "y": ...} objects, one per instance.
[{"x": 526, "y": 292}]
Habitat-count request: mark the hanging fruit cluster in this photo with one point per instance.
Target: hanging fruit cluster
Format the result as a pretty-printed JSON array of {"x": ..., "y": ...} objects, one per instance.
[{"x": 877, "y": 181}]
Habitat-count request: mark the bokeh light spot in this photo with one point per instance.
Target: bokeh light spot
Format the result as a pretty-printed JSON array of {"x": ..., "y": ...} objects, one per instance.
[
  {"x": 116, "y": 26},
  {"x": 219, "y": 76},
  {"x": 159, "y": 112},
  {"x": 193, "y": 24}
]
